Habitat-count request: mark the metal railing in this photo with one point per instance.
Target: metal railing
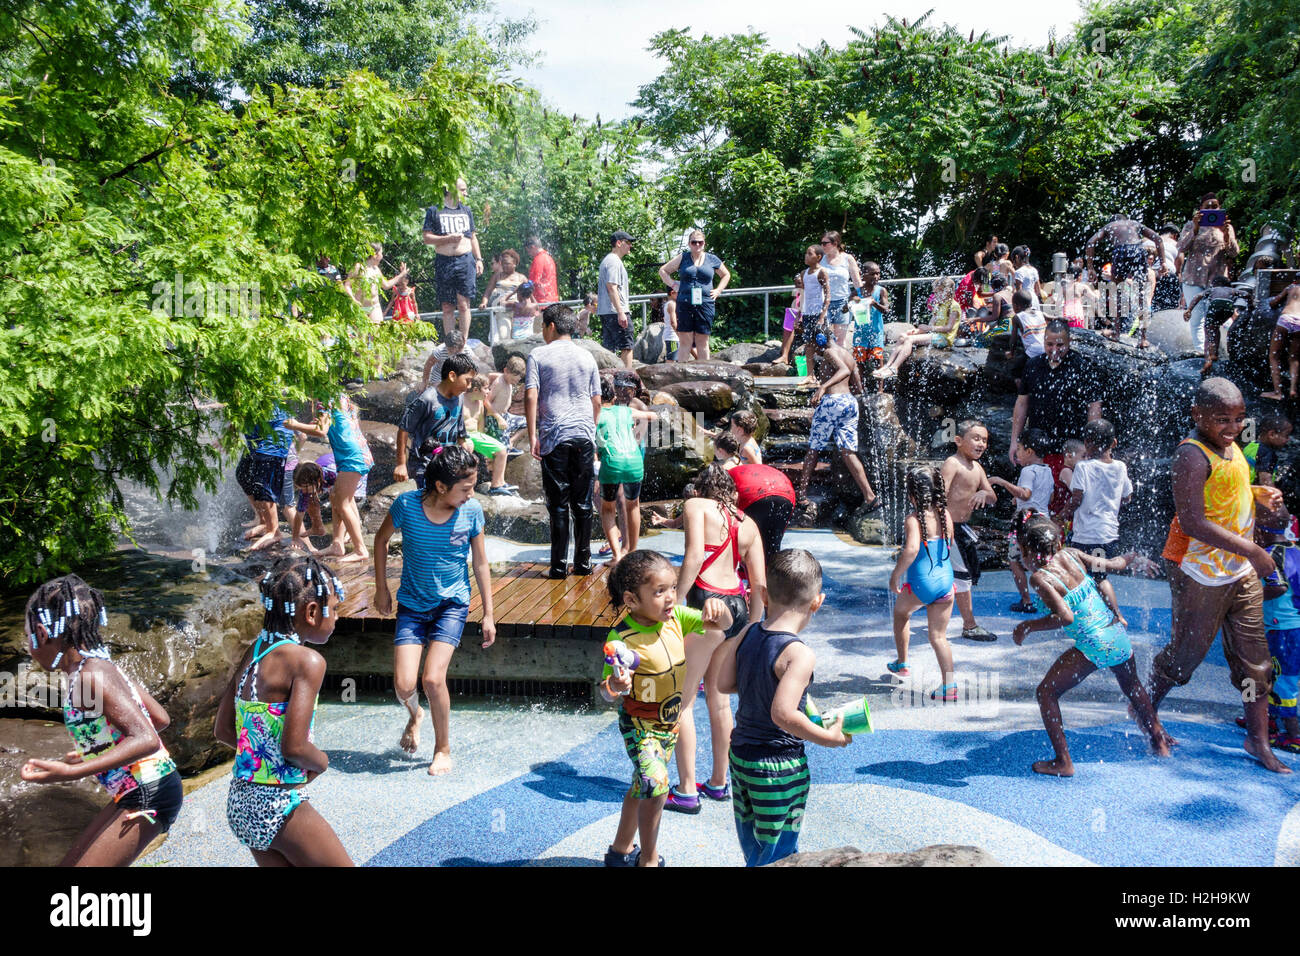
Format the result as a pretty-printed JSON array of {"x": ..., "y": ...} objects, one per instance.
[{"x": 766, "y": 291}]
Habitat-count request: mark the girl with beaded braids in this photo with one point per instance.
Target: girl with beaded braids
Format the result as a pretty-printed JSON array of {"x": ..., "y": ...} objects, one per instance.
[
  {"x": 267, "y": 715},
  {"x": 926, "y": 562},
  {"x": 114, "y": 724}
]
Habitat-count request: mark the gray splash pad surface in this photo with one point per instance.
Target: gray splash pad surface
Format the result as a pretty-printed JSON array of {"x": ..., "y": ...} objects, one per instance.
[{"x": 541, "y": 784}]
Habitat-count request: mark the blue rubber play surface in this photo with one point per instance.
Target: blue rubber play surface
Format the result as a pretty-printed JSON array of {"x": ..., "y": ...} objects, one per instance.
[{"x": 542, "y": 784}]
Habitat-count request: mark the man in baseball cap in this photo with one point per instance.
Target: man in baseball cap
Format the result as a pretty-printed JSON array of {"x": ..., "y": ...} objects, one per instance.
[{"x": 616, "y": 332}]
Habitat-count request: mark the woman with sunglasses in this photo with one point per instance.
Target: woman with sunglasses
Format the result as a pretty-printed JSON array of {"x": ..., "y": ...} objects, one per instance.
[
  {"x": 842, "y": 273},
  {"x": 695, "y": 294}
]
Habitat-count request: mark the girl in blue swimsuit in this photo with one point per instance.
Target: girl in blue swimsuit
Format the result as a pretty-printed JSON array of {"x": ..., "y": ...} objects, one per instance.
[
  {"x": 926, "y": 563},
  {"x": 1065, "y": 591}
]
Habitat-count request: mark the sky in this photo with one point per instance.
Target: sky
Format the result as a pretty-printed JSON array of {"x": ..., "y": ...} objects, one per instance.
[{"x": 593, "y": 52}]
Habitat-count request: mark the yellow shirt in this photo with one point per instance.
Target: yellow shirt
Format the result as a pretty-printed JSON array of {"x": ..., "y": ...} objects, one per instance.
[
  {"x": 1229, "y": 504},
  {"x": 657, "y": 682}
]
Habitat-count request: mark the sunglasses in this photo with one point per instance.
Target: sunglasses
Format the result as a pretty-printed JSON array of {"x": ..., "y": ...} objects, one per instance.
[{"x": 697, "y": 242}]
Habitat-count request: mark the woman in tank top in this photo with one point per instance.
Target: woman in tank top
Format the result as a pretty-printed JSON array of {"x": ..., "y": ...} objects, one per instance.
[{"x": 843, "y": 276}]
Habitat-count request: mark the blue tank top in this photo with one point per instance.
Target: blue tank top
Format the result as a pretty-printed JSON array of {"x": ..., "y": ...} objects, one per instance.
[
  {"x": 930, "y": 574},
  {"x": 691, "y": 275},
  {"x": 1280, "y": 613},
  {"x": 755, "y": 735}
]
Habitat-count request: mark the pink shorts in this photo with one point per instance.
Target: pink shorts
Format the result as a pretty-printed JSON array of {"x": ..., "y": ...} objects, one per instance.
[
  {"x": 1288, "y": 323},
  {"x": 791, "y": 320}
]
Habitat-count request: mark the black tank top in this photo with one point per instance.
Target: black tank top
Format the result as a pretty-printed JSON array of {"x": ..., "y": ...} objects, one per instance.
[{"x": 755, "y": 735}]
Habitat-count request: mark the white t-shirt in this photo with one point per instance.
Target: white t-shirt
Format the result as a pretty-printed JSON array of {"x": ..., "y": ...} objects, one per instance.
[
  {"x": 1033, "y": 327},
  {"x": 1104, "y": 487},
  {"x": 1027, "y": 276},
  {"x": 1038, "y": 479}
]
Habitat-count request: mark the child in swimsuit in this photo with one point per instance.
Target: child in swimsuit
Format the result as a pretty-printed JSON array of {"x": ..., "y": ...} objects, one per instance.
[
  {"x": 114, "y": 725},
  {"x": 1285, "y": 334},
  {"x": 926, "y": 563},
  {"x": 267, "y": 715},
  {"x": 719, "y": 538},
  {"x": 1072, "y": 603},
  {"x": 672, "y": 658}
]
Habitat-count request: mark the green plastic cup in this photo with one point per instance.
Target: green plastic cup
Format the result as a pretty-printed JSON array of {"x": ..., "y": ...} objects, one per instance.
[
  {"x": 801, "y": 364},
  {"x": 853, "y": 718}
]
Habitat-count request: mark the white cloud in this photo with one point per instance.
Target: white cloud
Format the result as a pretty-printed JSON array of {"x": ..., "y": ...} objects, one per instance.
[{"x": 593, "y": 54}]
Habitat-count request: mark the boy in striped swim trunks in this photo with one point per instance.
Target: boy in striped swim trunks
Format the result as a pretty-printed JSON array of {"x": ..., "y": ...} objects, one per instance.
[
  {"x": 1219, "y": 585},
  {"x": 771, "y": 668}
]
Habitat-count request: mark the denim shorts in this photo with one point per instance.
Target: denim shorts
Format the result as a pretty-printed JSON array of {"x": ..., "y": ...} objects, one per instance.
[{"x": 444, "y": 623}]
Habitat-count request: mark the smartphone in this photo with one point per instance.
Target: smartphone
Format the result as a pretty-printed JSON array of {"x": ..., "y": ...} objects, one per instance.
[{"x": 1213, "y": 217}]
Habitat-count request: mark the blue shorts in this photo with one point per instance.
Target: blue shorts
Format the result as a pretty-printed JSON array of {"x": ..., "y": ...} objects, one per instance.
[
  {"x": 695, "y": 319},
  {"x": 261, "y": 476},
  {"x": 455, "y": 275},
  {"x": 444, "y": 623},
  {"x": 1284, "y": 647}
]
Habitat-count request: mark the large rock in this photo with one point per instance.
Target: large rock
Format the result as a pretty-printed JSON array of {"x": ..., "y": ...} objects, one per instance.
[
  {"x": 516, "y": 519},
  {"x": 867, "y": 529},
  {"x": 785, "y": 392},
  {"x": 178, "y": 631},
  {"x": 768, "y": 369},
  {"x": 649, "y": 347},
  {"x": 39, "y": 822},
  {"x": 790, "y": 421},
  {"x": 383, "y": 401},
  {"x": 896, "y": 330},
  {"x": 676, "y": 451},
  {"x": 375, "y": 508},
  {"x": 707, "y": 397},
  {"x": 1171, "y": 333},
  {"x": 743, "y": 353},
  {"x": 382, "y": 438},
  {"x": 672, "y": 373},
  {"x": 940, "y": 855},
  {"x": 524, "y": 347}
]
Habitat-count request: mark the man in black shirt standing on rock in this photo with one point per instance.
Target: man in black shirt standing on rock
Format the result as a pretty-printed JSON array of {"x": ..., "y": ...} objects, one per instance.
[
  {"x": 449, "y": 228},
  {"x": 1060, "y": 392}
]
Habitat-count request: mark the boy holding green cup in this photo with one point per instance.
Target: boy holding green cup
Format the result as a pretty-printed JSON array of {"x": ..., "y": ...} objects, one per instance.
[{"x": 770, "y": 668}]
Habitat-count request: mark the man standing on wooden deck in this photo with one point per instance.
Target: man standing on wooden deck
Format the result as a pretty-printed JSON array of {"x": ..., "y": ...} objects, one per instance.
[{"x": 561, "y": 406}]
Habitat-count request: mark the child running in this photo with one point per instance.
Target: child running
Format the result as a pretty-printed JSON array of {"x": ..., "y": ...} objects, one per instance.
[
  {"x": 441, "y": 526},
  {"x": 967, "y": 488},
  {"x": 622, "y": 466},
  {"x": 267, "y": 716},
  {"x": 114, "y": 725},
  {"x": 1099, "y": 487},
  {"x": 1071, "y": 602},
  {"x": 929, "y": 581},
  {"x": 661, "y": 632},
  {"x": 1033, "y": 490},
  {"x": 771, "y": 668}
]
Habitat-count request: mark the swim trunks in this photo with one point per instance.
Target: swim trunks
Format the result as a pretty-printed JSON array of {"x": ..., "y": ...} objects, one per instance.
[{"x": 836, "y": 419}]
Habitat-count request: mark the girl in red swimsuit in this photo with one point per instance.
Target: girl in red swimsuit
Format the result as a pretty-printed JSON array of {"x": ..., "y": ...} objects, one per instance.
[{"x": 719, "y": 538}]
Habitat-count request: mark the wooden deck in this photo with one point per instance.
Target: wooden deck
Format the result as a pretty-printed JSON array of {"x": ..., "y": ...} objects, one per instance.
[{"x": 527, "y": 602}]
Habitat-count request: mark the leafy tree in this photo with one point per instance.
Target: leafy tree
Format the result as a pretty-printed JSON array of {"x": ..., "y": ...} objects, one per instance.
[{"x": 114, "y": 189}]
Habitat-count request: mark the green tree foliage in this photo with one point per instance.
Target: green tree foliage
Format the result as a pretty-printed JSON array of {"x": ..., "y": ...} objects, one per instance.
[
  {"x": 151, "y": 243},
  {"x": 911, "y": 139}
]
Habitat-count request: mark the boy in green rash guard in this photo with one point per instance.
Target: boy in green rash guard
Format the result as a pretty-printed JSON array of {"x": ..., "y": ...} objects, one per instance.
[{"x": 621, "y": 465}]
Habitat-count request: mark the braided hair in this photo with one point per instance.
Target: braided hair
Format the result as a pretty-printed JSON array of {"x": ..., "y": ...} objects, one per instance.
[
  {"x": 927, "y": 491},
  {"x": 631, "y": 572},
  {"x": 1039, "y": 536},
  {"x": 70, "y": 610},
  {"x": 293, "y": 580},
  {"x": 449, "y": 464}
]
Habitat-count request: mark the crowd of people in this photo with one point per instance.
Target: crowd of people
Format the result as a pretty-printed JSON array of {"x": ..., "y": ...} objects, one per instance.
[{"x": 728, "y": 619}]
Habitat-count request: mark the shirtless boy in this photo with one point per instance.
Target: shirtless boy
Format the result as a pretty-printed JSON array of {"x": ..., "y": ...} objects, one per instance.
[
  {"x": 1285, "y": 333},
  {"x": 1128, "y": 256},
  {"x": 836, "y": 417},
  {"x": 968, "y": 488}
]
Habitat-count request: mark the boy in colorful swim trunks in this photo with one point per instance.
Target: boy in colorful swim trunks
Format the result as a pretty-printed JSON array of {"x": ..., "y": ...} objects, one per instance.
[
  {"x": 659, "y": 631},
  {"x": 477, "y": 412},
  {"x": 1285, "y": 333},
  {"x": 1222, "y": 565},
  {"x": 836, "y": 418}
]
